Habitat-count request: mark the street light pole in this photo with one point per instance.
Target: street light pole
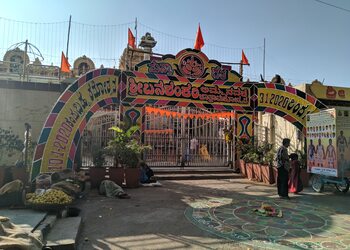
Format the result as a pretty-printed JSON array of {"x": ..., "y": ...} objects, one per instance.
[{"x": 27, "y": 127}]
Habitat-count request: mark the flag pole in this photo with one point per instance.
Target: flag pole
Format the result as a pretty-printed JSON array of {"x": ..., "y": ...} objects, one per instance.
[
  {"x": 264, "y": 58},
  {"x": 70, "y": 21},
  {"x": 136, "y": 31},
  {"x": 241, "y": 69}
]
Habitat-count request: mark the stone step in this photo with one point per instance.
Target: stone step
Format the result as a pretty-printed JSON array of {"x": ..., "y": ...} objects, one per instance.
[
  {"x": 194, "y": 173},
  {"x": 192, "y": 170},
  {"x": 46, "y": 225},
  {"x": 64, "y": 234},
  {"x": 196, "y": 176}
]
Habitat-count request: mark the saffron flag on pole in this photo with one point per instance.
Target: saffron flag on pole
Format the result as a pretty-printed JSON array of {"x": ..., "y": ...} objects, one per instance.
[
  {"x": 131, "y": 39},
  {"x": 244, "y": 59},
  {"x": 199, "y": 43},
  {"x": 64, "y": 64}
]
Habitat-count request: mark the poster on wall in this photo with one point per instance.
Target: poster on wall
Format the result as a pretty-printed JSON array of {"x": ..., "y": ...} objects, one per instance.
[
  {"x": 343, "y": 140},
  {"x": 322, "y": 143}
]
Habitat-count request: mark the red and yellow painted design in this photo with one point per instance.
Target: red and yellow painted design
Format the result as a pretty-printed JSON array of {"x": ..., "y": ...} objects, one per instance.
[{"x": 191, "y": 64}]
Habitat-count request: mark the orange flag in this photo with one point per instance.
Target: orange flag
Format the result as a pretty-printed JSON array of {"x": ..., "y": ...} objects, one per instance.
[
  {"x": 244, "y": 59},
  {"x": 64, "y": 64},
  {"x": 131, "y": 39},
  {"x": 199, "y": 43}
]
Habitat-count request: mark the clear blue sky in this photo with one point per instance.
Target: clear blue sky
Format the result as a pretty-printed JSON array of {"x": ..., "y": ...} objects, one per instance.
[{"x": 305, "y": 39}]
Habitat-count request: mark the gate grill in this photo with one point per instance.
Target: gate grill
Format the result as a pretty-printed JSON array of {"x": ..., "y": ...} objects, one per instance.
[
  {"x": 97, "y": 134},
  {"x": 182, "y": 136}
]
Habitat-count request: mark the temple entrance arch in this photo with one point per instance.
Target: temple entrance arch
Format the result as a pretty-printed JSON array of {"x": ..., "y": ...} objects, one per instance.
[{"x": 187, "y": 80}]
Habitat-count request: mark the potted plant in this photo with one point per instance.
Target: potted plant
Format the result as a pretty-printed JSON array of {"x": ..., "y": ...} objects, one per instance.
[
  {"x": 97, "y": 173},
  {"x": 243, "y": 147},
  {"x": 267, "y": 169},
  {"x": 116, "y": 174},
  {"x": 250, "y": 159},
  {"x": 242, "y": 167},
  {"x": 258, "y": 161},
  {"x": 126, "y": 150},
  {"x": 132, "y": 170}
]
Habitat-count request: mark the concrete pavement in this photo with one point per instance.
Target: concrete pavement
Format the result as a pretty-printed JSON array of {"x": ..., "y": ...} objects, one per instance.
[{"x": 214, "y": 214}]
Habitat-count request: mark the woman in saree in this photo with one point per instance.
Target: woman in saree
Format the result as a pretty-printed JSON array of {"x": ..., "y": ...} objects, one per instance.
[{"x": 294, "y": 184}]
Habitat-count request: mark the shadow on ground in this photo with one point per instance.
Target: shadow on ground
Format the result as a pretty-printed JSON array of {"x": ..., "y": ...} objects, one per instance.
[{"x": 213, "y": 214}]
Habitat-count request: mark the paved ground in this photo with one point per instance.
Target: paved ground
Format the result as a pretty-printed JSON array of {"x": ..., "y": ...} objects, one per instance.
[{"x": 214, "y": 214}]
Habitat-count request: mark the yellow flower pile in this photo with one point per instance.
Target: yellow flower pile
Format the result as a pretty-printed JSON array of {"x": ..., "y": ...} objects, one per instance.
[{"x": 50, "y": 197}]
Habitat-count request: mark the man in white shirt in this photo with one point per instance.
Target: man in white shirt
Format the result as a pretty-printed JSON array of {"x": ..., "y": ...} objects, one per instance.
[{"x": 193, "y": 146}]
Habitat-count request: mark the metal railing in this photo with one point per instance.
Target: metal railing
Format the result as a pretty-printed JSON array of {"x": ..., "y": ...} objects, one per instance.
[{"x": 32, "y": 72}]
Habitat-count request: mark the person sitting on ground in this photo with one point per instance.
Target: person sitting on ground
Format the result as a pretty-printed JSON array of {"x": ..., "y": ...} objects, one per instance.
[
  {"x": 146, "y": 173},
  {"x": 66, "y": 182},
  {"x": 11, "y": 187},
  {"x": 111, "y": 189}
]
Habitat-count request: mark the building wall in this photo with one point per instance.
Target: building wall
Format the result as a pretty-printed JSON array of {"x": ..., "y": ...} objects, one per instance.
[{"x": 18, "y": 106}]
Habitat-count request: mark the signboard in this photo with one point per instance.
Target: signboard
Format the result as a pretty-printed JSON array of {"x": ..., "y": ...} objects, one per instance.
[
  {"x": 321, "y": 134},
  {"x": 343, "y": 140},
  {"x": 329, "y": 92},
  {"x": 70, "y": 118},
  {"x": 287, "y": 102},
  {"x": 188, "y": 77},
  {"x": 182, "y": 90}
]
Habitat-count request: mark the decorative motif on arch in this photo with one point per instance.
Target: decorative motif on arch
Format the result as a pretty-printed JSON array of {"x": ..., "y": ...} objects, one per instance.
[
  {"x": 65, "y": 124},
  {"x": 189, "y": 63},
  {"x": 244, "y": 122},
  {"x": 132, "y": 116}
]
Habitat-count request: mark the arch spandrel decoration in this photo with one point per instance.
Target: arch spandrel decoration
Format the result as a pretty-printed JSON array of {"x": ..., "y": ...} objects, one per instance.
[
  {"x": 61, "y": 133},
  {"x": 285, "y": 101},
  {"x": 188, "y": 79}
]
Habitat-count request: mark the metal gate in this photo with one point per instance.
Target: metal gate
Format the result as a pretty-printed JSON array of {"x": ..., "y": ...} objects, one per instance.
[
  {"x": 97, "y": 135},
  {"x": 182, "y": 136}
]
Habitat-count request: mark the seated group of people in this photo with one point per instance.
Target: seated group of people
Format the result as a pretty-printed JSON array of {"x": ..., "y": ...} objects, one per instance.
[{"x": 73, "y": 182}]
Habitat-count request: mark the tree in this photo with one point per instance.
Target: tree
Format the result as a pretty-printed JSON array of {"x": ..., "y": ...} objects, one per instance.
[{"x": 9, "y": 143}]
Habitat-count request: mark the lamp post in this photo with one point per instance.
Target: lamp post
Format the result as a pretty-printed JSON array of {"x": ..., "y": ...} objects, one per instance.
[{"x": 26, "y": 135}]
